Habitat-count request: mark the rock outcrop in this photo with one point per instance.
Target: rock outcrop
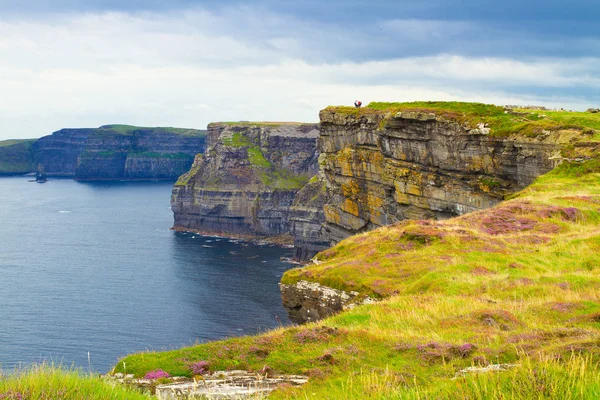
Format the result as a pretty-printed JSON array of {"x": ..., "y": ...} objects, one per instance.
[
  {"x": 118, "y": 152},
  {"x": 380, "y": 169},
  {"x": 310, "y": 301},
  {"x": 246, "y": 181}
]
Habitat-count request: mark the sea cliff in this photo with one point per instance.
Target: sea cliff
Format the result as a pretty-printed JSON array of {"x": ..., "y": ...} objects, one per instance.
[
  {"x": 381, "y": 167},
  {"x": 246, "y": 181},
  {"x": 118, "y": 152}
]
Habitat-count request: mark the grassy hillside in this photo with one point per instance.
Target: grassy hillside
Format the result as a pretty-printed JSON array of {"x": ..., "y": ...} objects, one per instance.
[
  {"x": 516, "y": 284},
  {"x": 49, "y": 383},
  {"x": 15, "y": 156}
]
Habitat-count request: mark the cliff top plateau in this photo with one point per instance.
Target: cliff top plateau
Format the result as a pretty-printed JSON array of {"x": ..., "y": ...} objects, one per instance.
[
  {"x": 498, "y": 303},
  {"x": 502, "y": 121}
]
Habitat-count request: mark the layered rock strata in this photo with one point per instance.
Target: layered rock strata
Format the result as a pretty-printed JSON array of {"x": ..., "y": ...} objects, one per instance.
[
  {"x": 118, "y": 152},
  {"x": 246, "y": 181},
  {"x": 380, "y": 169}
]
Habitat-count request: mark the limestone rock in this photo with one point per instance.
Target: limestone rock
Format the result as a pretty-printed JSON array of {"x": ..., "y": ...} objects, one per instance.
[
  {"x": 310, "y": 301},
  {"x": 417, "y": 165}
]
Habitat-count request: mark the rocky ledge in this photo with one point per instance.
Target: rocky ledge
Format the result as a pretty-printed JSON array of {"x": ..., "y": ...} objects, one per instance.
[
  {"x": 219, "y": 385},
  {"x": 310, "y": 301}
]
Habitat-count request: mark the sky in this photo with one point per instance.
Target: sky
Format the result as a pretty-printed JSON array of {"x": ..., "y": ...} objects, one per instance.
[{"x": 185, "y": 63}]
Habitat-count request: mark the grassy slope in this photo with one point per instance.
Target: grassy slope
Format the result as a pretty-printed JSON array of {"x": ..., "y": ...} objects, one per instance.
[
  {"x": 50, "y": 383},
  {"x": 518, "y": 283},
  {"x": 15, "y": 156}
]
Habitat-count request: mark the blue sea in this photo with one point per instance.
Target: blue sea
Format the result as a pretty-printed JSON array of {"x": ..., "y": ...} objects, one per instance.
[{"x": 92, "y": 268}]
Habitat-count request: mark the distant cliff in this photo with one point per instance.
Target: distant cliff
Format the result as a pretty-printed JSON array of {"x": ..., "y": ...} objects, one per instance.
[
  {"x": 246, "y": 181},
  {"x": 118, "y": 152},
  {"x": 15, "y": 156}
]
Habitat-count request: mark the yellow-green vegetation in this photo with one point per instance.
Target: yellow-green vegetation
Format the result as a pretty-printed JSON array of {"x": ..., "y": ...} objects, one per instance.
[
  {"x": 268, "y": 173},
  {"x": 15, "y": 156},
  {"x": 45, "y": 382},
  {"x": 501, "y": 122},
  {"x": 195, "y": 169},
  {"x": 515, "y": 284},
  {"x": 128, "y": 130}
]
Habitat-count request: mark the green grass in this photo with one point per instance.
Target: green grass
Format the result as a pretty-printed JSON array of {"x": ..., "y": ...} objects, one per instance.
[
  {"x": 237, "y": 139},
  {"x": 15, "y": 156},
  {"x": 12, "y": 142},
  {"x": 528, "y": 123},
  {"x": 268, "y": 173},
  {"x": 128, "y": 130},
  {"x": 518, "y": 283},
  {"x": 46, "y": 382}
]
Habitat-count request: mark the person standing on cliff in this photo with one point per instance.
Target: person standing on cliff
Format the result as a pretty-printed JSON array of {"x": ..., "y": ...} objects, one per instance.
[{"x": 357, "y": 103}]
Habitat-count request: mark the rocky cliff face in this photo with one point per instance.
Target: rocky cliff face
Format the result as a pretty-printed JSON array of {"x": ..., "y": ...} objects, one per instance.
[
  {"x": 118, "y": 152},
  {"x": 246, "y": 181},
  {"x": 380, "y": 169}
]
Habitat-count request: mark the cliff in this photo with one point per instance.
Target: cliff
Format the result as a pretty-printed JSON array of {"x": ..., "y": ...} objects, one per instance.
[
  {"x": 16, "y": 157},
  {"x": 246, "y": 181},
  {"x": 400, "y": 162},
  {"x": 384, "y": 167},
  {"x": 118, "y": 152}
]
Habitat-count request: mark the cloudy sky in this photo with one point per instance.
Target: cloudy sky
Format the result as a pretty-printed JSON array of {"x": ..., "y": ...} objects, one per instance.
[{"x": 81, "y": 63}]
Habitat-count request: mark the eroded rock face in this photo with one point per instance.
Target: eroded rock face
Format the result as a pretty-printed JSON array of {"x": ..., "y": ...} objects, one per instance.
[
  {"x": 118, "y": 153},
  {"x": 310, "y": 301},
  {"x": 380, "y": 170},
  {"x": 307, "y": 218},
  {"x": 246, "y": 181}
]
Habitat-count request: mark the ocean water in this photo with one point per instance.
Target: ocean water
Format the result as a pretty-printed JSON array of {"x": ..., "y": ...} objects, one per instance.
[{"x": 93, "y": 267}]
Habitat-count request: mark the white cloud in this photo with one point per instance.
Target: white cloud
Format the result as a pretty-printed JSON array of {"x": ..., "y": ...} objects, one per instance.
[{"x": 194, "y": 67}]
